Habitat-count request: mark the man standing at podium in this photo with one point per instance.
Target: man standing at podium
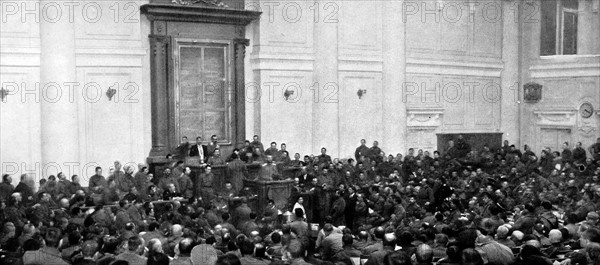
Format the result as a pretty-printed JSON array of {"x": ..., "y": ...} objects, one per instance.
[
  {"x": 268, "y": 171},
  {"x": 237, "y": 171},
  {"x": 198, "y": 149},
  {"x": 216, "y": 158},
  {"x": 204, "y": 185}
]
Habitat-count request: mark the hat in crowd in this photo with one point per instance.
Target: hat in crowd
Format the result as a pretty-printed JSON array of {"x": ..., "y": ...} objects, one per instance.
[
  {"x": 555, "y": 236},
  {"x": 518, "y": 235},
  {"x": 593, "y": 215}
]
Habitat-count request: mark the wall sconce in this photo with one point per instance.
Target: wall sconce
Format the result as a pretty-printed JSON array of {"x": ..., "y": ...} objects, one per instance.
[
  {"x": 288, "y": 93},
  {"x": 3, "y": 93},
  {"x": 110, "y": 92},
  {"x": 361, "y": 92}
]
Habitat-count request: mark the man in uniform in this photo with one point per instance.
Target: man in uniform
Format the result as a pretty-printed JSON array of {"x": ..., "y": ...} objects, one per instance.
[
  {"x": 595, "y": 150},
  {"x": 268, "y": 171},
  {"x": 167, "y": 179},
  {"x": 212, "y": 146},
  {"x": 204, "y": 185}
]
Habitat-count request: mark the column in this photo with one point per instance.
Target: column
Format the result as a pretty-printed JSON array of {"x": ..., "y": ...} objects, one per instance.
[
  {"x": 160, "y": 95},
  {"x": 325, "y": 114},
  {"x": 509, "y": 107},
  {"x": 596, "y": 11},
  {"x": 394, "y": 75},
  {"x": 59, "y": 91},
  {"x": 586, "y": 32},
  {"x": 588, "y": 39},
  {"x": 240, "y": 92}
]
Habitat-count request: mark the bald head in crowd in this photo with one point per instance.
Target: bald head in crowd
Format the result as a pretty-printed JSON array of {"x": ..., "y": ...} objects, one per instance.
[{"x": 424, "y": 254}]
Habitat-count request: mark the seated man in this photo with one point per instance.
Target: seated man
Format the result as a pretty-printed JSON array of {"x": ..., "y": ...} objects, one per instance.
[{"x": 171, "y": 192}]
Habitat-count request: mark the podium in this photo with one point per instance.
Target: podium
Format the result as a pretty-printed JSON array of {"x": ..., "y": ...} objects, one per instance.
[{"x": 278, "y": 190}]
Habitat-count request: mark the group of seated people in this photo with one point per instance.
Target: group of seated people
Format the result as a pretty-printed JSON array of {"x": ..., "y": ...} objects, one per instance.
[{"x": 468, "y": 207}]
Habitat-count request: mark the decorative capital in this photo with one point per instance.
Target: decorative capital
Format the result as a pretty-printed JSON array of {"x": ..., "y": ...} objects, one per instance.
[
  {"x": 244, "y": 42},
  {"x": 159, "y": 44}
]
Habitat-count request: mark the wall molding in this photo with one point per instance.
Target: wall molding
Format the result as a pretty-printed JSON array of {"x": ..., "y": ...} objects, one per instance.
[
  {"x": 492, "y": 68},
  {"x": 566, "y": 66},
  {"x": 424, "y": 117},
  {"x": 281, "y": 62},
  {"x": 554, "y": 118}
]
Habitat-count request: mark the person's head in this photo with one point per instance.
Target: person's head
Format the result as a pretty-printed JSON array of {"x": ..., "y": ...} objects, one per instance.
[
  {"x": 591, "y": 235},
  {"x": 155, "y": 245},
  {"x": 6, "y": 178},
  {"x": 592, "y": 218},
  {"x": 397, "y": 258},
  {"x": 471, "y": 257},
  {"x": 52, "y": 238},
  {"x": 389, "y": 240},
  {"x": 135, "y": 244},
  {"x": 441, "y": 239},
  {"x": 555, "y": 236},
  {"x": 323, "y": 150},
  {"x": 299, "y": 213},
  {"x": 198, "y": 140},
  {"x": 424, "y": 254},
  {"x": 502, "y": 232},
  {"x": 276, "y": 238},
  {"x": 74, "y": 238},
  {"x": 228, "y": 259},
  {"x": 9, "y": 228},
  {"x": 246, "y": 247},
  {"x": 347, "y": 240},
  {"x": 593, "y": 250},
  {"x": 89, "y": 248},
  {"x": 185, "y": 246},
  {"x": 177, "y": 230},
  {"x": 294, "y": 250}
]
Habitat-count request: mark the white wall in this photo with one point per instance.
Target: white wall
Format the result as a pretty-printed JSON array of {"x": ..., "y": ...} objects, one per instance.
[{"x": 110, "y": 51}]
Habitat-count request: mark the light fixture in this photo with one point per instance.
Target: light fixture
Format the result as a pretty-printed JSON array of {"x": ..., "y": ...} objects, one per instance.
[
  {"x": 110, "y": 92},
  {"x": 361, "y": 92},
  {"x": 3, "y": 93},
  {"x": 288, "y": 93}
]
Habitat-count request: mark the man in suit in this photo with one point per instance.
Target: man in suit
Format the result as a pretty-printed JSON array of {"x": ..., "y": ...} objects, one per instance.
[
  {"x": 25, "y": 188},
  {"x": 198, "y": 149}
]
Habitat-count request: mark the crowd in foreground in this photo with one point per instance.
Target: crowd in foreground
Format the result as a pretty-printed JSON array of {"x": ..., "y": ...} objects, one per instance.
[{"x": 462, "y": 206}]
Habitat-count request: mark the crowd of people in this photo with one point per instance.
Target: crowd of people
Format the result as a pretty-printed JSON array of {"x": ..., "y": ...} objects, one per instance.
[{"x": 456, "y": 206}]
